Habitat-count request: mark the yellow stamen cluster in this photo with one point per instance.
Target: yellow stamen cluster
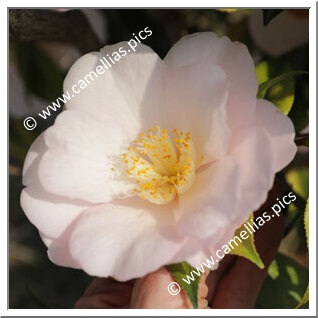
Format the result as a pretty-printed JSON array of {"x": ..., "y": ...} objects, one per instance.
[{"x": 161, "y": 169}]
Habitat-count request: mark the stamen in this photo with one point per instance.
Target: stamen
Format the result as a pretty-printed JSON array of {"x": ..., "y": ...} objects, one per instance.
[{"x": 165, "y": 168}]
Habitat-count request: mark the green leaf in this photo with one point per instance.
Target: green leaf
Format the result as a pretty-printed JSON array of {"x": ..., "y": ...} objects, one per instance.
[
  {"x": 247, "y": 248},
  {"x": 284, "y": 285},
  {"x": 298, "y": 179},
  {"x": 281, "y": 94},
  {"x": 279, "y": 90},
  {"x": 306, "y": 222},
  {"x": 178, "y": 272},
  {"x": 270, "y": 14},
  {"x": 262, "y": 89},
  {"x": 299, "y": 114},
  {"x": 305, "y": 298}
]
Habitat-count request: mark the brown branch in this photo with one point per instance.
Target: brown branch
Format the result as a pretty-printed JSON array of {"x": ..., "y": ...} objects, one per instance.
[
  {"x": 302, "y": 139},
  {"x": 67, "y": 27}
]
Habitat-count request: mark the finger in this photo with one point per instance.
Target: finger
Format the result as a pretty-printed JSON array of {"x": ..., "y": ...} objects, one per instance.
[
  {"x": 106, "y": 293},
  {"x": 152, "y": 292}
]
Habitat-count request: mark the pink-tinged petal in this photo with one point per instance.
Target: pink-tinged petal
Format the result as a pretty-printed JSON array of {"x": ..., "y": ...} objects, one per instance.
[
  {"x": 46, "y": 240},
  {"x": 129, "y": 93},
  {"x": 81, "y": 178},
  {"x": 211, "y": 203},
  {"x": 197, "y": 259},
  {"x": 58, "y": 250},
  {"x": 125, "y": 239},
  {"x": 281, "y": 130},
  {"x": 84, "y": 135},
  {"x": 253, "y": 152},
  {"x": 50, "y": 213},
  {"x": 233, "y": 58},
  {"x": 196, "y": 102},
  {"x": 32, "y": 159},
  {"x": 84, "y": 159}
]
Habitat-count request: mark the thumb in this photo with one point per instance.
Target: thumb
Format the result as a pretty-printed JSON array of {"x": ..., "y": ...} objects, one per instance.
[{"x": 151, "y": 291}]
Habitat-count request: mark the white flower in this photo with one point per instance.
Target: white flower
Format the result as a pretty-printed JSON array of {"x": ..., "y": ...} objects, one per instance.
[{"x": 114, "y": 198}]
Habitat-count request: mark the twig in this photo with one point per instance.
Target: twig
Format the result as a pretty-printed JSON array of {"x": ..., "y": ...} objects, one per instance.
[{"x": 301, "y": 139}]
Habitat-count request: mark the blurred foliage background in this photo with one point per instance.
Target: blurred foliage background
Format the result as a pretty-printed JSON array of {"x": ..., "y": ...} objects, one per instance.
[{"x": 39, "y": 58}]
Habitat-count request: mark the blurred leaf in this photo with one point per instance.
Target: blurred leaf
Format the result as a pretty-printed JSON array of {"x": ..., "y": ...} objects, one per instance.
[
  {"x": 306, "y": 222},
  {"x": 300, "y": 112},
  {"x": 270, "y": 14},
  {"x": 271, "y": 82},
  {"x": 40, "y": 302},
  {"x": 281, "y": 94},
  {"x": 284, "y": 285},
  {"x": 279, "y": 90},
  {"x": 20, "y": 139},
  {"x": 228, "y": 10},
  {"x": 305, "y": 298},
  {"x": 263, "y": 71},
  {"x": 248, "y": 11},
  {"x": 39, "y": 73},
  {"x": 15, "y": 171},
  {"x": 298, "y": 179},
  {"x": 178, "y": 272},
  {"x": 247, "y": 248}
]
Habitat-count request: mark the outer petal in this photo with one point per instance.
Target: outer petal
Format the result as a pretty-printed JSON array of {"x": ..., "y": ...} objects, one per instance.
[
  {"x": 129, "y": 93},
  {"x": 50, "y": 213},
  {"x": 196, "y": 102},
  {"x": 58, "y": 250},
  {"x": 233, "y": 58},
  {"x": 83, "y": 160},
  {"x": 125, "y": 239},
  {"x": 280, "y": 129},
  {"x": 253, "y": 152}
]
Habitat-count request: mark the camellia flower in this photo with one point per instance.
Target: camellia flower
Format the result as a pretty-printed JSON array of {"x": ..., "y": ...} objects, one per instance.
[{"x": 157, "y": 161}]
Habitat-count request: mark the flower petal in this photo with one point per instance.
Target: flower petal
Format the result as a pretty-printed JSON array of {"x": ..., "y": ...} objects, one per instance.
[
  {"x": 50, "y": 213},
  {"x": 129, "y": 93},
  {"x": 83, "y": 158},
  {"x": 233, "y": 58},
  {"x": 253, "y": 152},
  {"x": 125, "y": 239},
  {"x": 281, "y": 130},
  {"x": 196, "y": 102},
  {"x": 80, "y": 178},
  {"x": 81, "y": 134},
  {"x": 211, "y": 204}
]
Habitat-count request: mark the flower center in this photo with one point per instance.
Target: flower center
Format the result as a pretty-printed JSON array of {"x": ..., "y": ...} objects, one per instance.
[{"x": 162, "y": 168}]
